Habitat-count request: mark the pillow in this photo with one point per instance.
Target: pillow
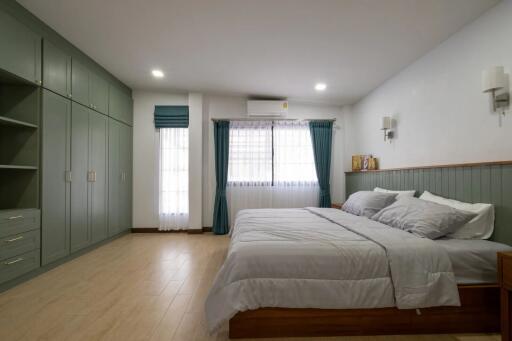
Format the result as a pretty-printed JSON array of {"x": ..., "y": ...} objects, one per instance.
[
  {"x": 423, "y": 218},
  {"x": 480, "y": 227},
  {"x": 400, "y": 193},
  {"x": 367, "y": 203}
]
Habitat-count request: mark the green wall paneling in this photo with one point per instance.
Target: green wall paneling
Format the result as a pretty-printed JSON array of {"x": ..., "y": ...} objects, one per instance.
[{"x": 486, "y": 183}]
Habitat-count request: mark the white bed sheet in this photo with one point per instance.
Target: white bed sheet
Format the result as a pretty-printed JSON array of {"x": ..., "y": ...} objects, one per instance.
[{"x": 473, "y": 261}]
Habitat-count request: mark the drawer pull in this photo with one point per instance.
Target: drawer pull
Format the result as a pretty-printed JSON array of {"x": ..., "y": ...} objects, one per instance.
[
  {"x": 14, "y": 239},
  {"x": 15, "y": 217},
  {"x": 14, "y": 261}
]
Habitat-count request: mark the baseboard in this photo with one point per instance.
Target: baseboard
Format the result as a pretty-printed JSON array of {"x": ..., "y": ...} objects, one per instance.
[
  {"x": 156, "y": 230},
  {"x": 23, "y": 278}
]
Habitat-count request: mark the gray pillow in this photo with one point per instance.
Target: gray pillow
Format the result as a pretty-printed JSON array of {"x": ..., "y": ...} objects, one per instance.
[
  {"x": 423, "y": 218},
  {"x": 367, "y": 203}
]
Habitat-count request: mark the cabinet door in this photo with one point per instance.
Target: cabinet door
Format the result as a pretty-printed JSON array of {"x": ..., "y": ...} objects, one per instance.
[
  {"x": 80, "y": 231},
  {"x": 126, "y": 180},
  {"x": 98, "y": 92},
  {"x": 80, "y": 83},
  {"x": 98, "y": 190},
  {"x": 55, "y": 209},
  {"x": 20, "y": 49},
  {"x": 114, "y": 176},
  {"x": 56, "y": 69},
  {"x": 115, "y": 104}
]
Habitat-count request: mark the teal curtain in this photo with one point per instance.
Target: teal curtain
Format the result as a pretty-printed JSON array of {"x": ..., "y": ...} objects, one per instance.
[
  {"x": 171, "y": 116},
  {"x": 321, "y": 137},
  {"x": 220, "y": 210}
]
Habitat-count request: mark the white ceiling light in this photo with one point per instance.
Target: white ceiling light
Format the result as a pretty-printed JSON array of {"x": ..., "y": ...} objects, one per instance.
[
  {"x": 157, "y": 73},
  {"x": 320, "y": 86}
]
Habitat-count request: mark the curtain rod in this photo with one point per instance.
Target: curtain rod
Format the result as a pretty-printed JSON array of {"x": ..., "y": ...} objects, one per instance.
[{"x": 271, "y": 119}]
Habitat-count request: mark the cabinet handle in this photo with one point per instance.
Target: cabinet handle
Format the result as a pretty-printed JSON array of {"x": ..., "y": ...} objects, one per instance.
[
  {"x": 15, "y": 217},
  {"x": 13, "y": 239},
  {"x": 14, "y": 261},
  {"x": 70, "y": 96},
  {"x": 68, "y": 176},
  {"x": 91, "y": 176}
]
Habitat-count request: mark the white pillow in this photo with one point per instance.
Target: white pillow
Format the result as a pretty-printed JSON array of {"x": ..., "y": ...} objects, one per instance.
[
  {"x": 401, "y": 194},
  {"x": 480, "y": 227}
]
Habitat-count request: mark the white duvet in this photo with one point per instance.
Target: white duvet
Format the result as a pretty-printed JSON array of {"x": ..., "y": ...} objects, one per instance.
[{"x": 328, "y": 259}]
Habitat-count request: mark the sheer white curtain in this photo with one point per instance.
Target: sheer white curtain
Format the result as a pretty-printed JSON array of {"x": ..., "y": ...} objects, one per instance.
[
  {"x": 173, "y": 198},
  {"x": 295, "y": 181},
  {"x": 249, "y": 166},
  {"x": 271, "y": 165}
]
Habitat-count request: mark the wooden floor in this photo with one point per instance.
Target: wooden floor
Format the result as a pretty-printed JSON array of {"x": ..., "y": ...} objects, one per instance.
[{"x": 139, "y": 287}]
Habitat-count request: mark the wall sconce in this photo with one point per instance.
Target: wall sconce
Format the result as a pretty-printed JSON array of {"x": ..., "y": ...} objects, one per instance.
[
  {"x": 386, "y": 126},
  {"x": 493, "y": 80}
]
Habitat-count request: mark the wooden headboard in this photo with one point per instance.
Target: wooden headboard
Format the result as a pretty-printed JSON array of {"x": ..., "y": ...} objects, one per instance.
[{"x": 489, "y": 182}]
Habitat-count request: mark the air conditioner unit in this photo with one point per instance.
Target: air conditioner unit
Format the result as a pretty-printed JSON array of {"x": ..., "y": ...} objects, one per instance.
[{"x": 266, "y": 108}]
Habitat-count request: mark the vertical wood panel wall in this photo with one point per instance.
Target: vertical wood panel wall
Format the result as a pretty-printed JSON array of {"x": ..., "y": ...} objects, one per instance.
[{"x": 485, "y": 183}]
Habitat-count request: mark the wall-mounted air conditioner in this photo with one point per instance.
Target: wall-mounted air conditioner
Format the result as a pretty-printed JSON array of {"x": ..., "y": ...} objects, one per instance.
[{"x": 266, "y": 108}]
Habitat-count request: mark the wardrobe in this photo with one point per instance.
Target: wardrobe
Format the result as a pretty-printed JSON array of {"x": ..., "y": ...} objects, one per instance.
[{"x": 65, "y": 149}]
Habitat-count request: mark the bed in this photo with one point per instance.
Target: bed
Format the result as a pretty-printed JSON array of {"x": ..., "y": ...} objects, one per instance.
[{"x": 312, "y": 272}]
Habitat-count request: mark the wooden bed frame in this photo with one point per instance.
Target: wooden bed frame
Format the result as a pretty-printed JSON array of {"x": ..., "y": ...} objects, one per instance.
[{"x": 479, "y": 313}]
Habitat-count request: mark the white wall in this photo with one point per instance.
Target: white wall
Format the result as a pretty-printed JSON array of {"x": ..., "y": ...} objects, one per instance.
[
  {"x": 442, "y": 115},
  {"x": 235, "y": 107},
  {"x": 145, "y": 154}
]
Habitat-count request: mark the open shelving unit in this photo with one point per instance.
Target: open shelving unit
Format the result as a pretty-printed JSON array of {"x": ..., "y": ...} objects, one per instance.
[{"x": 19, "y": 143}]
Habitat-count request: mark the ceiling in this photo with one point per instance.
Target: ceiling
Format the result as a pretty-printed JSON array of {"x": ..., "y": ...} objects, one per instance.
[{"x": 273, "y": 48}]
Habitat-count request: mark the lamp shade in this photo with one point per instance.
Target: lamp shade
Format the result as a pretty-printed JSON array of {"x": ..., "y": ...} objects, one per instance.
[
  {"x": 386, "y": 123},
  {"x": 493, "y": 78}
]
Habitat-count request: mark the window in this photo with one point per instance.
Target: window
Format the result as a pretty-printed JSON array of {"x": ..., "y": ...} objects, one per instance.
[
  {"x": 270, "y": 153},
  {"x": 250, "y": 153},
  {"x": 294, "y": 162},
  {"x": 173, "y": 178}
]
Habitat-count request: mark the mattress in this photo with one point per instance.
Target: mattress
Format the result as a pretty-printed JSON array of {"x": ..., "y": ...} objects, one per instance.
[
  {"x": 328, "y": 259},
  {"x": 473, "y": 261}
]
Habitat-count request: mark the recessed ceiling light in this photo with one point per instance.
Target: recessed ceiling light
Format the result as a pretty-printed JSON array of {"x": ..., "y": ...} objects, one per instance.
[
  {"x": 320, "y": 86},
  {"x": 157, "y": 73}
]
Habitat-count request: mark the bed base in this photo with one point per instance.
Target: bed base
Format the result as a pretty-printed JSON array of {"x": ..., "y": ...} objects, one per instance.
[{"x": 479, "y": 313}]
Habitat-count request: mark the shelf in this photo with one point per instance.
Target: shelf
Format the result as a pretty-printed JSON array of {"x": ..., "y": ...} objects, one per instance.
[
  {"x": 6, "y": 121},
  {"x": 18, "y": 167}
]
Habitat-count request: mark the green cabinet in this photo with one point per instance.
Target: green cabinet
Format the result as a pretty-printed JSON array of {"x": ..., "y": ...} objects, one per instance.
[
  {"x": 98, "y": 179},
  {"x": 120, "y": 105},
  {"x": 89, "y": 88},
  {"x": 120, "y": 177},
  {"x": 55, "y": 194},
  {"x": 114, "y": 176},
  {"x": 80, "y": 231},
  {"x": 88, "y": 177},
  {"x": 98, "y": 92},
  {"x": 125, "y": 162},
  {"x": 20, "y": 49},
  {"x": 80, "y": 83},
  {"x": 56, "y": 69}
]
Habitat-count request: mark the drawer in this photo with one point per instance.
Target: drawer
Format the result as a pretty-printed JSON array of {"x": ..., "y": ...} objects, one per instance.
[
  {"x": 16, "y": 266},
  {"x": 19, "y": 243},
  {"x": 18, "y": 221}
]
